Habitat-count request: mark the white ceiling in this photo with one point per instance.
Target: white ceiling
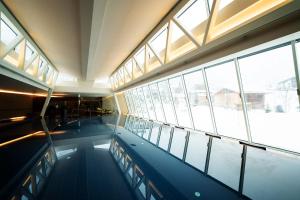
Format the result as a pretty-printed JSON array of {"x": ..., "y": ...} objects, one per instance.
[{"x": 88, "y": 39}]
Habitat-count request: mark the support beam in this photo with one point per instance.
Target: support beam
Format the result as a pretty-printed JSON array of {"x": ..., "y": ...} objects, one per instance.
[{"x": 50, "y": 91}]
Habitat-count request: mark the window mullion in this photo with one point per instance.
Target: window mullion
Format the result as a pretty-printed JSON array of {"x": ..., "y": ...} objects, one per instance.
[
  {"x": 187, "y": 101},
  {"x": 242, "y": 96},
  {"x": 296, "y": 68},
  {"x": 209, "y": 102},
  {"x": 173, "y": 104}
]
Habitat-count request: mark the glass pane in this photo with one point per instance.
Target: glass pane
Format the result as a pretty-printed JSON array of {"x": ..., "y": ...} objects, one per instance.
[
  {"x": 128, "y": 103},
  {"x": 140, "y": 57},
  {"x": 137, "y": 71},
  {"x": 167, "y": 103},
  {"x": 49, "y": 72},
  {"x": 159, "y": 41},
  {"x": 227, "y": 104},
  {"x": 180, "y": 102},
  {"x": 141, "y": 126},
  {"x": 153, "y": 61},
  {"x": 128, "y": 67},
  {"x": 13, "y": 56},
  {"x": 149, "y": 103},
  {"x": 134, "y": 98},
  {"x": 42, "y": 65},
  {"x": 178, "y": 142},
  {"x": 7, "y": 34},
  {"x": 198, "y": 99},
  {"x": 180, "y": 44},
  {"x": 165, "y": 137},
  {"x": 121, "y": 75},
  {"x": 147, "y": 130},
  {"x": 135, "y": 126},
  {"x": 157, "y": 102},
  {"x": 225, "y": 162},
  {"x": 29, "y": 51},
  {"x": 197, "y": 150},
  {"x": 133, "y": 108},
  {"x": 195, "y": 9},
  {"x": 142, "y": 189},
  {"x": 271, "y": 175},
  {"x": 142, "y": 102},
  {"x": 154, "y": 133},
  {"x": 270, "y": 89}
]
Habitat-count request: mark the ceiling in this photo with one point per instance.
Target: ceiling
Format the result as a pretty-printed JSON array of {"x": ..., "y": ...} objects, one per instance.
[{"x": 88, "y": 39}]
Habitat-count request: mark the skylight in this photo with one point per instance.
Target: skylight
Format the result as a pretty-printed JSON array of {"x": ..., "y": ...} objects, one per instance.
[
  {"x": 193, "y": 17},
  {"x": 159, "y": 41}
]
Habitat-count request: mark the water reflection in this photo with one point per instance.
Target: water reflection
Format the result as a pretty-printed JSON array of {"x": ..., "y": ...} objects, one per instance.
[
  {"x": 27, "y": 156},
  {"x": 254, "y": 172}
]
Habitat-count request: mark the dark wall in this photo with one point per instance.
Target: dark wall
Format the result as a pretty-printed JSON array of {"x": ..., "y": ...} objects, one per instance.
[{"x": 12, "y": 105}]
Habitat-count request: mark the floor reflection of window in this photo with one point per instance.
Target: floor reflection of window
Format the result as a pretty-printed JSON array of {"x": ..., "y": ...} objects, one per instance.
[
  {"x": 154, "y": 133},
  {"x": 226, "y": 100},
  {"x": 178, "y": 142},
  {"x": 164, "y": 137},
  {"x": 270, "y": 89},
  {"x": 271, "y": 176},
  {"x": 225, "y": 162},
  {"x": 197, "y": 149}
]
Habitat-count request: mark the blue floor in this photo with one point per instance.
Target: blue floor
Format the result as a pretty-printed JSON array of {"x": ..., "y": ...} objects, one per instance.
[{"x": 88, "y": 173}]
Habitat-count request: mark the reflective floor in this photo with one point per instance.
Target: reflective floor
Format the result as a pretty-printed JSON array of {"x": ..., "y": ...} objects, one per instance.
[
  {"x": 85, "y": 169},
  {"x": 118, "y": 157}
]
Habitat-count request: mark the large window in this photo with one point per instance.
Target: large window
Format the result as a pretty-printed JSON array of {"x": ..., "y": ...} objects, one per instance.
[
  {"x": 178, "y": 142},
  {"x": 270, "y": 89},
  {"x": 149, "y": 102},
  {"x": 198, "y": 100},
  {"x": 225, "y": 162},
  {"x": 157, "y": 102},
  {"x": 167, "y": 102},
  {"x": 226, "y": 100},
  {"x": 180, "y": 102}
]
